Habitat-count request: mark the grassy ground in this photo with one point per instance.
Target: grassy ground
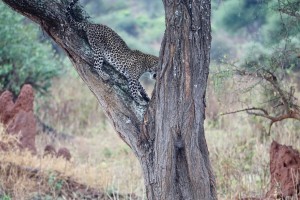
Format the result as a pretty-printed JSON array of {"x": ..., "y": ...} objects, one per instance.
[
  {"x": 95, "y": 144},
  {"x": 238, "y": 145}
]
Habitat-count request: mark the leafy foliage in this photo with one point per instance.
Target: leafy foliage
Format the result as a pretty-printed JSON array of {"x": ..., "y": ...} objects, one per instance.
[
  {"x": 237, "y": 16},
  {"x": 259, "y": 41},
  {"x": 24, "y": 58},
  {"x": 240, "y": 25}
]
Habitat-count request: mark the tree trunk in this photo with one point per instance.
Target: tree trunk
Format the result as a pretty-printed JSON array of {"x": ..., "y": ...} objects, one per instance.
[
  {"x": 167, "y": 136},
  {"x": 177, "y": 166}
]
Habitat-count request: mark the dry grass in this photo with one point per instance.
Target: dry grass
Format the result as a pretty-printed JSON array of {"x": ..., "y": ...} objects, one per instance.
[
  {"x": 240, "y": 155},
  {"x": 96, "y": 144},
  {"x": 24, "y": 175},
  {"x": 238, "y": 145},
  {"x": 27, "y": 176}
]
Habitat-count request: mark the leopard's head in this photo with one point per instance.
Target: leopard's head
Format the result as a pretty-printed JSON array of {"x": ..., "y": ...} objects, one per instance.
[{"x": 152, "y": 65}]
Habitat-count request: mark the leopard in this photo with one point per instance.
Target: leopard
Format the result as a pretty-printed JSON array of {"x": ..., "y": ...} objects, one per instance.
[{"x": 108, "y": 46}]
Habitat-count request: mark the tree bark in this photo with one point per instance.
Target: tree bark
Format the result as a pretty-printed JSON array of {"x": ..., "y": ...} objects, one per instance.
[
  {"x": 167, "y": 136},
  {"x": 180, "y": 167}
]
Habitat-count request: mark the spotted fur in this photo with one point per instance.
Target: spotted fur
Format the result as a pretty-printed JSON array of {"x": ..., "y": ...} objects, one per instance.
[{"x": 108, "y": 46}]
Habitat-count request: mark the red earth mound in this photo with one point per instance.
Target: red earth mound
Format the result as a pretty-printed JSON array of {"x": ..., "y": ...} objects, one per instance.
[
  {"x": 285, "y": 172},
  {"x": 62, "y": 152},
  {"x": 18, "y": 116}
]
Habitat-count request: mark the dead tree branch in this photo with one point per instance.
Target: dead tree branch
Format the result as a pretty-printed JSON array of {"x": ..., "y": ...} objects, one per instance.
[{"x": 287, "y": 99}]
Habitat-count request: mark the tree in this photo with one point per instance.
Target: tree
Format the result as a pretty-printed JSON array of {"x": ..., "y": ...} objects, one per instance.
[
  {"x": 272, "y": 67},
  {"x": 167, "y": 136}
]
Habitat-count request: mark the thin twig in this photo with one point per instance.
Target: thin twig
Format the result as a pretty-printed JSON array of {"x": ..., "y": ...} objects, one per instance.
[{"x": 246, "y": 109}]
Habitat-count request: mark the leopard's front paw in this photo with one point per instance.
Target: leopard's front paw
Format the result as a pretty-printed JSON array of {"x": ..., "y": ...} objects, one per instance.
[{"x": 105, "y": 76}]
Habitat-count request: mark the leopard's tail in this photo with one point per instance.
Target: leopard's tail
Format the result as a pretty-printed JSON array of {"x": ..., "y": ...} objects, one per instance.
[{"x": 78, "y": 25}]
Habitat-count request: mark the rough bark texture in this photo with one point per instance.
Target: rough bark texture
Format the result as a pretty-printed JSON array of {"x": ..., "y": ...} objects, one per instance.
[
  {"x": 167, "y": 136},
  {"x": 179, "y": 156}
]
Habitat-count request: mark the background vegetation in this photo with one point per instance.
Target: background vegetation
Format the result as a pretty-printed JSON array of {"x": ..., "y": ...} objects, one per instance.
[
  {"x": 249, "y": 36},
  {"x": 25, "y": 55}
]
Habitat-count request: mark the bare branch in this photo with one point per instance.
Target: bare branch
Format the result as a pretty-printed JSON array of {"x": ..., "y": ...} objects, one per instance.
[
  {"x": 114, "y": 96},
  {"x": 271, "y": 78},
  {"x": 287, "y": 98},
  {"x": 291, "y": 115},
  {"x": 246, "y": 109},
  {"x": 273, "y": 119},
  {"x": 289, "y": 12}
]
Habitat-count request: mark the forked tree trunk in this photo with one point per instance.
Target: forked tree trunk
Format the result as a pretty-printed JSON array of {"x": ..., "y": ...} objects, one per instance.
[{"x": 167, "y": 136}]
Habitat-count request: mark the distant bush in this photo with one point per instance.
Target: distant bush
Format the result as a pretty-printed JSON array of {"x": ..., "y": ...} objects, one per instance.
[
  {"x": 222, "y": 48},
  {"x": 23, "y": 57},
  {"x": 278, "y": 57},
  {"x": 238, "y": 17}
]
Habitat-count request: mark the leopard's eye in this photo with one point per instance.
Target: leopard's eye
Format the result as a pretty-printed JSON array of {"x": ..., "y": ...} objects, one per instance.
[{"x": 154, "y": 76}]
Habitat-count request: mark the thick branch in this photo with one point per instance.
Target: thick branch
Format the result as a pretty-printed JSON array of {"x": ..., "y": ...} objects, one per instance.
[{"x": 114, "y": 96}]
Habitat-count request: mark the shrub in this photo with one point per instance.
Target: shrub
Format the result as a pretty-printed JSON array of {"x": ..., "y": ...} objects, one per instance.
[{"x": 24, "y": 58}]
